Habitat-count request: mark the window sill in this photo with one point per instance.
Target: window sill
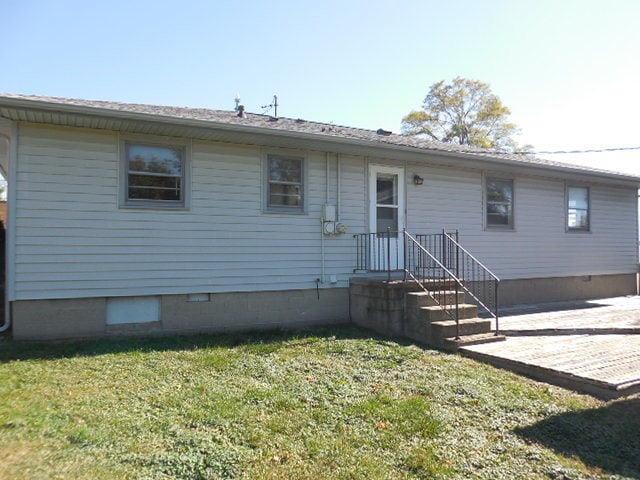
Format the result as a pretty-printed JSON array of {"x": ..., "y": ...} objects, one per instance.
[
  {"x": 154, "y": 206},
  {"x": 283, "y": 212},
  {"x": 499, "y": 229}
]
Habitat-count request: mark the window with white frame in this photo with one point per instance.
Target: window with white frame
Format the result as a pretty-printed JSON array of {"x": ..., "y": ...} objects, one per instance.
[
  {"x": 155, "y": 174},
  {"x": 285, "y": 183},
  {"x": 499, "y": 202},
  {"x": 578, "y": 208}
]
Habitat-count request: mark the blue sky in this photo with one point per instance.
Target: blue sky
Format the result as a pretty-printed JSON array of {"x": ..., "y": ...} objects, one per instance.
[{"x": 568, "y": 70}]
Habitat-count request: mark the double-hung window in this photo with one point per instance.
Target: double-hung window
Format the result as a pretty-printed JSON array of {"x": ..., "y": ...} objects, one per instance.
[
  {"x": 155, "y": 174},
  {"x": 285, "y": 183},
  {"x": 578, "y": 209},
  {"x": 499, "y": 202}
]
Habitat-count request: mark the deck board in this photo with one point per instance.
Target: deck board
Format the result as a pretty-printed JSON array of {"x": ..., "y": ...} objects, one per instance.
[{"x": 602, "y": 362}]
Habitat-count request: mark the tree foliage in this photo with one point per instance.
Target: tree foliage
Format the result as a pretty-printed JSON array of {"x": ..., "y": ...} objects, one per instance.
[{"x": 466, "y": 112}]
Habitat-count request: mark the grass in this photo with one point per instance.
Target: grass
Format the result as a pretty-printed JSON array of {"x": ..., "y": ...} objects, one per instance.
[{"x": 323, "y": 404}]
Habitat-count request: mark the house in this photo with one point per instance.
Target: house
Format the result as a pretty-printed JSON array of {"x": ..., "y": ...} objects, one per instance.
[{"x": 142, "y": 218}]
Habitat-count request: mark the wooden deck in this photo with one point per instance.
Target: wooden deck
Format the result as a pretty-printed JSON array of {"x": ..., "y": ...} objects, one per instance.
[{"x": 592, "y": 347}]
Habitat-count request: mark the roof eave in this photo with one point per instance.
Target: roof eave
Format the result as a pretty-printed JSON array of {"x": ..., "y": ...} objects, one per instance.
[{"x": 336, "y": 141}]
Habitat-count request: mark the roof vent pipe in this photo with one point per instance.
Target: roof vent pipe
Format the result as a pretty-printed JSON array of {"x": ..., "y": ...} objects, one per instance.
[{"x": 241, "y": 113}]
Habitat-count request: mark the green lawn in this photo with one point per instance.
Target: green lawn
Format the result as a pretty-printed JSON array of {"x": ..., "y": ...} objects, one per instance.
[{"x": 322, "y": 404}]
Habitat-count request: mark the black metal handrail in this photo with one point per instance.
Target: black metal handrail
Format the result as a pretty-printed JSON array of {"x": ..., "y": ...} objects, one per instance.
[
  {"x": 379, "y": 252},
  {"x": 382, "y": 252},
  {"x": 436, "y": 262},
  {"x": 476, "y": 279},
  {"x": 438, "y": 281},
  {"x": 439, "y": 247}
]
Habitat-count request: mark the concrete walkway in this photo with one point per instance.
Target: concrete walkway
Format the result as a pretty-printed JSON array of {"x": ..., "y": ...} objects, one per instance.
[{"x": 589, "y": 346}]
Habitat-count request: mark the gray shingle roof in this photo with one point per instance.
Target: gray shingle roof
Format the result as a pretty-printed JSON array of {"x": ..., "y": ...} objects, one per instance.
[{"x": 283, "y": 124}]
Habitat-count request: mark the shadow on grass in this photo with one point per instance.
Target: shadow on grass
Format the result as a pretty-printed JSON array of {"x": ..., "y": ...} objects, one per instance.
[
  {"x": 607, "y": 438},
  {"x": 259, "y": 341}
]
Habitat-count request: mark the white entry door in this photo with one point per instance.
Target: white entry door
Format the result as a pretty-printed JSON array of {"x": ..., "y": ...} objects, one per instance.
[{"x": 386, "y": 214}]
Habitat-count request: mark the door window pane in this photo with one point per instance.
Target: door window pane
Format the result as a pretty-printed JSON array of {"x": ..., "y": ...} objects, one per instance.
[
  {"x": 387, "y": 217},
  {"x": 387, "y": 190}
]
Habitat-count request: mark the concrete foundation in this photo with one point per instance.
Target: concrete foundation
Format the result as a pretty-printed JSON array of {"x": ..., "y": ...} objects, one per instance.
[
  {"x": 64, "y": 318},
  {"x": 542, "y": 290},
  {"x": 368, "y": 302},
  {"x": 219, "y": 312}
]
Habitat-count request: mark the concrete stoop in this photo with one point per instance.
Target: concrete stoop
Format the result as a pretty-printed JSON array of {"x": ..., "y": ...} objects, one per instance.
[
  {"x": 398, "y": 308},
  {"x": 452, "y": 344},
  {"x": 431, "y": 324}
]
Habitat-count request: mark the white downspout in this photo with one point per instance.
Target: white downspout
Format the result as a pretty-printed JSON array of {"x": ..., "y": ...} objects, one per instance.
[{"x": 10, "y": 235}]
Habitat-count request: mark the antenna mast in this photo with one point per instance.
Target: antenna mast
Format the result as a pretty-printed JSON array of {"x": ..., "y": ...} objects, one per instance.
[{"x": 273, "y": 105}]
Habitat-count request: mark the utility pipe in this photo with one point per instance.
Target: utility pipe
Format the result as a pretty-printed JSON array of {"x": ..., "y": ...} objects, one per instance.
[
  {"x": 338, "y": 163},
  {"x": 326, "y": 161},
  {"x": 322, "y": 257},
  {"x": 322, "y": 279}
]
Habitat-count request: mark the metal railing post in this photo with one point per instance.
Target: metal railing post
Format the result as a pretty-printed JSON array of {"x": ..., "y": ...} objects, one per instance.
[
  {"x": 457, "y": 313},
  {"x": 404, "y": 255},
  {"x": 388, "y": 254},
  {"x": 457, "y": 253},
  {"x": 497, "y": 309},
  {"x": 444, "y": 250}
]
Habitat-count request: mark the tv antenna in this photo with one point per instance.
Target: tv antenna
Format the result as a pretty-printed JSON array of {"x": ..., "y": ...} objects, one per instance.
[{"x": 274, "y": 105}]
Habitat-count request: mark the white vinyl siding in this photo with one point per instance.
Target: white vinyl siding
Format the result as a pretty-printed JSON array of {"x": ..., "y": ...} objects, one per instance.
[
  {"x": 539, "y": 247},
  {"x": 74, "y": 241}
]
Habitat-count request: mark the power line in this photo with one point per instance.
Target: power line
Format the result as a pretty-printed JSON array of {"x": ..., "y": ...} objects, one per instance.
[{"x": 593, "y": 150}]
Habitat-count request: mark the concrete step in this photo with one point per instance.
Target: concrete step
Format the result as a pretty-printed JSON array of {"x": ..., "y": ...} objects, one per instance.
[
  {"x": 437, "y": 313},
  {"x": 453, "y": 345},
  {"x": 424, "y": 299},
  {"x": 438, "y": 283},
  {"x": 468, "y": 326}
]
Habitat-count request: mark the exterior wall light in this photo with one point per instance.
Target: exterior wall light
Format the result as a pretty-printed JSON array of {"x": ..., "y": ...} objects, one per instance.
[{"x": 418, "y": 180}]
